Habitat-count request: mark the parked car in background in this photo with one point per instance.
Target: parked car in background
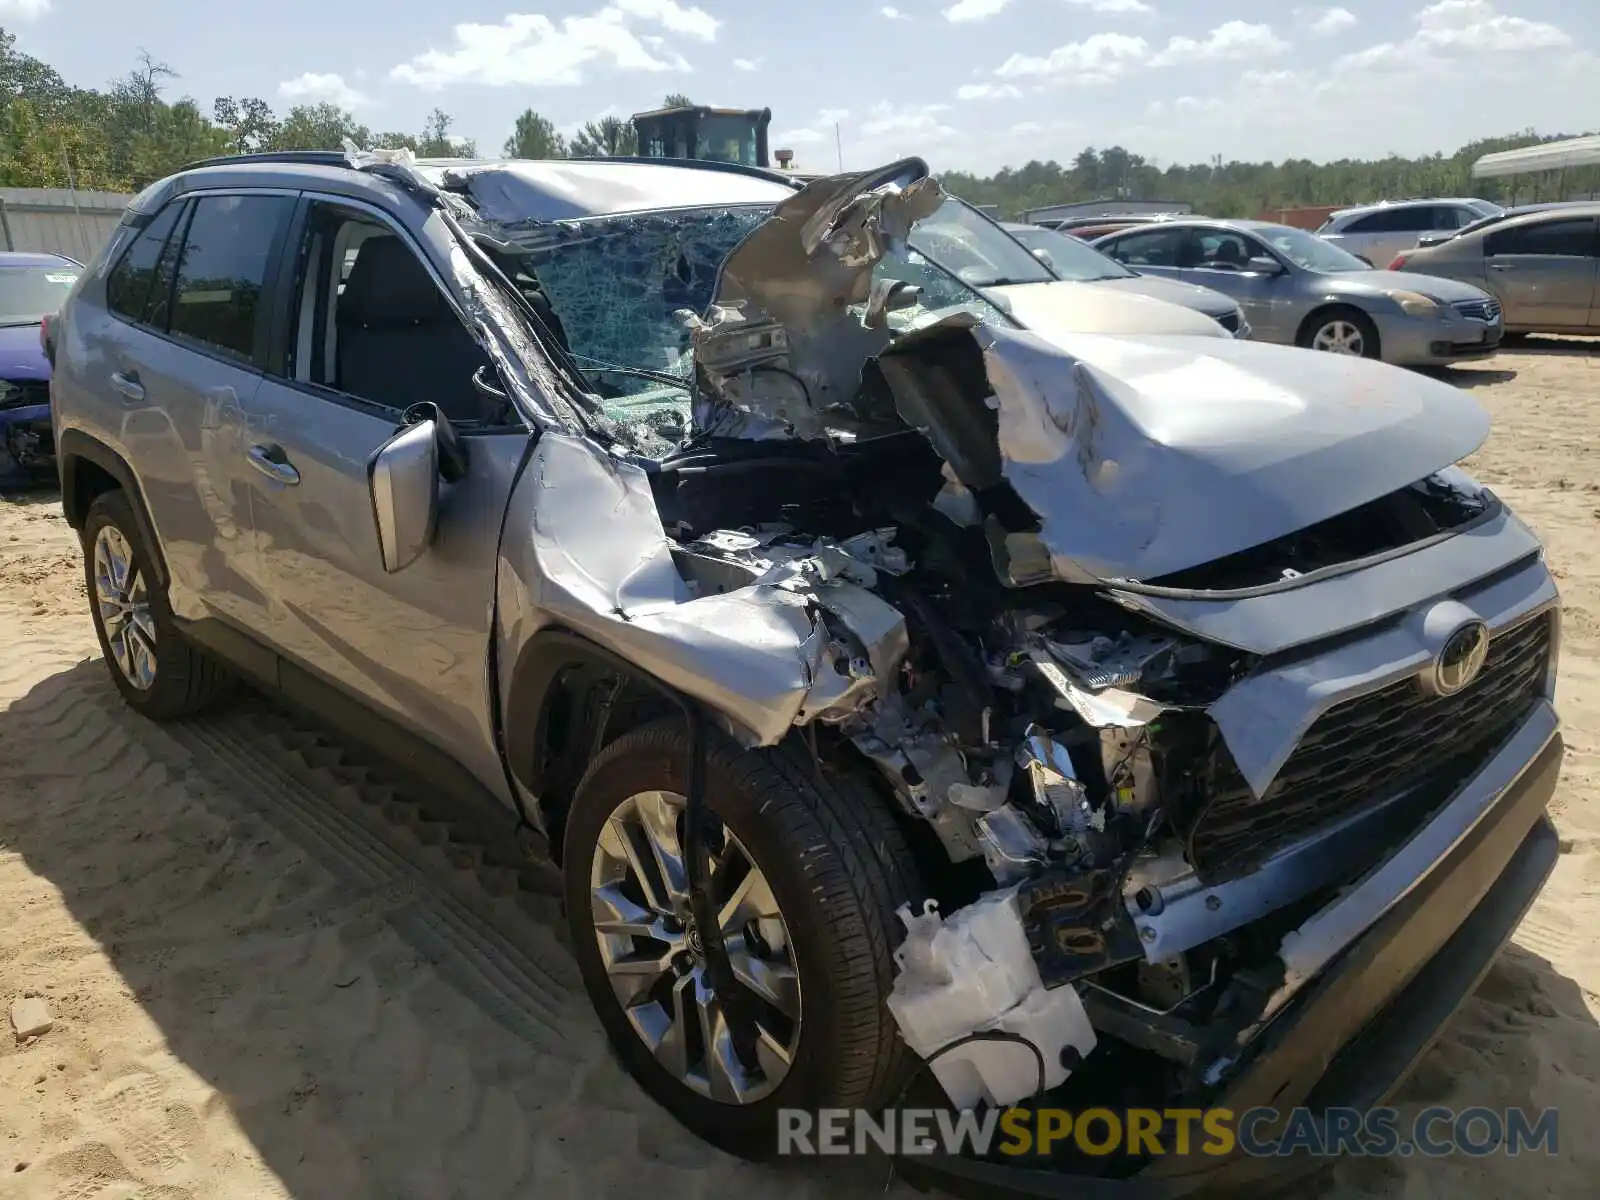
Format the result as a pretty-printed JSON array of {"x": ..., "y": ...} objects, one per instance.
[
  {"x": 1543, "y": 268},
  {"x": 1377, "y": 232},
  {"x": 1298, "y": 289},
  {"x": 1071, "y": 259},
  {"x": 32, "y": 288},
  {"x": 1089, "y": 228},
  {"x": 1435, "y": 239}
]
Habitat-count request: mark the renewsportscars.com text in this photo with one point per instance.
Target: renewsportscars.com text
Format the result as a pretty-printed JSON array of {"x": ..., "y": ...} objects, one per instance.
[{"x": 1215, "y": 1132}]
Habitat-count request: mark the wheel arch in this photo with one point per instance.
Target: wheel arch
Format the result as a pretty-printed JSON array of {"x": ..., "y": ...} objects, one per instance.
[
  {"x": 568, "y": 698},
  {"x": 89, "y": 468}
]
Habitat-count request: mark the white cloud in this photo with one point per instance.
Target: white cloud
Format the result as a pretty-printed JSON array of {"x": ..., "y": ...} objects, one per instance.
[
  {"x": 887, "y": 12},
  {"x": 673, "y": 17},
  {"x": 974, "y": 10},
  {"x": 988, "y": 91},
  {"x": 25, "y": 10},
  {"x": 748, "y": 64},
  {"x": 829, "y": 116},
  {"x": 1330, "y": 21},
  {"x": 1097, "y": 59},
  {"x": 1228, "y": 42},
  {"x": 1137, "y": 8},
  {"x": 1474, "y": 26},
  {"x": 799, "y": 137},
  {"x": 531, "y": 49},
  {"x": 314, "y": 87},
  {"x": 1452, "y": 29},
  {"x": 906, "y": 121}
]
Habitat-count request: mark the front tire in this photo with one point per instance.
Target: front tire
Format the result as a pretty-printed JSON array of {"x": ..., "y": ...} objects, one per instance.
[
  {"x": 806, "y": 876},
  {"x": 158, "y": 672},
  {"x": 1341, "y": 331}
]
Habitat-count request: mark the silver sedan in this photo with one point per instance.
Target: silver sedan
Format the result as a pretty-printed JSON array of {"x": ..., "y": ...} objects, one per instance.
[{"x": 1299, "y": 290}]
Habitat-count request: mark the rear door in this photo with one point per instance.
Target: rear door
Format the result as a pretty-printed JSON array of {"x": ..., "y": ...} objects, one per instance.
[
  {"x": 1544, "y": 271},
  {"x": 368, "y": 333},
  {"x": 180, "y": 348}
]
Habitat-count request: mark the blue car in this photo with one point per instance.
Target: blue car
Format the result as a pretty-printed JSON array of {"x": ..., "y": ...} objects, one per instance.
[{"x": 32, "y": 288}]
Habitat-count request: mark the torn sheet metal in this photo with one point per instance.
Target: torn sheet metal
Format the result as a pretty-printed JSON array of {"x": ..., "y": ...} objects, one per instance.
[
  {"x": 781, "y": 349},
  {"x": 752, "y": 653},
  {"x": 1144, "y": 457}
]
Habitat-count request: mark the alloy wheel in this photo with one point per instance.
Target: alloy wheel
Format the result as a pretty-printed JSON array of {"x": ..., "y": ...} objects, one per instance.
[
  {"x": 123, "y": 601},
  {"x": 654, "y": 956},
  {"x": 1340, "y": 337}
]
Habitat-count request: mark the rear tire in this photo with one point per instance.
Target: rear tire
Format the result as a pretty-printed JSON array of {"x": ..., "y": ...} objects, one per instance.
[
  {"x": 836, "y": 867},
  {"x": 159, "y": 673}
]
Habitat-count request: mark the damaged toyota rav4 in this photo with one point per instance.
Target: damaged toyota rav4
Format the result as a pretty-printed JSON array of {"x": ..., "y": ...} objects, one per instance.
[{"x": 911, "y": 702}]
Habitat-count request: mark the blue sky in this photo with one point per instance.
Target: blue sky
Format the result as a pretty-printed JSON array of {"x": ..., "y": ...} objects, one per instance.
[{"x": 974, "y": 84}]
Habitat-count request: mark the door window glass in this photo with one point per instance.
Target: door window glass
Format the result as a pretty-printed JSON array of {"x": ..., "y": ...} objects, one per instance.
[
  {"x": 128, "y": 285},
  {"x": 222, "y": 271},
  {"x": 1570, "y": 237}
]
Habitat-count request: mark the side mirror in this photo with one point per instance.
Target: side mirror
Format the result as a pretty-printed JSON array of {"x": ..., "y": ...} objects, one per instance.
[
  {"x": 1044, "y": 257},
  {"x": 1265, "y": 264},
  {"x": 403, "y": 482}
]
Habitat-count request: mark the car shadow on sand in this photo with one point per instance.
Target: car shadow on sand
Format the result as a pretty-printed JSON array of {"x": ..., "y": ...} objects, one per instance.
[
  {"x": 382, "y": 1011},
  {"x": 382, "y": 1007}
]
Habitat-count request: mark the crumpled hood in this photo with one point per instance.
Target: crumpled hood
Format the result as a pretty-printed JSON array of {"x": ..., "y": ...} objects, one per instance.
[
  {"x": 1061, "y": 308},
  {"x": 1143, "y": 457},
  {"x": 21, "y": 356}
]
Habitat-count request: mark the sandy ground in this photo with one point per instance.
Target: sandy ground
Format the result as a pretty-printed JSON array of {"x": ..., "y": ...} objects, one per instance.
[{"x": 274, "y": 974}]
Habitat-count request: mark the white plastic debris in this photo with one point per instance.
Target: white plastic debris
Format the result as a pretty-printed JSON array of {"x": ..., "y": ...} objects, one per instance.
[{"x": 974, "y": 973}]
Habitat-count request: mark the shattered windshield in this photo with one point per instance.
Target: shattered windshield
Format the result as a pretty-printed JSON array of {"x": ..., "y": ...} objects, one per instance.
[
  {"x": 974, "y": 249},
  {"x": 616, "y": 283}
]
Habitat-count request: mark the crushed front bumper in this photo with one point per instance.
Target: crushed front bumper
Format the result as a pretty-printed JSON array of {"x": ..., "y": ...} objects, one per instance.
[{"x": 1355, "y": 1031}]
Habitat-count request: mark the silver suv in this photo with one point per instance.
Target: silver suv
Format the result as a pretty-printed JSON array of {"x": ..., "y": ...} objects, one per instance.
[
  {"x": 1377, "y": 232},
  {"x": 1174, "y": 705}
]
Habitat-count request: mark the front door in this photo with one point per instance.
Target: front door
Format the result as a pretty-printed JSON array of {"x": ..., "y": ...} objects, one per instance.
[
  {"x": 1234, "y": 263},
  {"x": 371, "y": 334}
]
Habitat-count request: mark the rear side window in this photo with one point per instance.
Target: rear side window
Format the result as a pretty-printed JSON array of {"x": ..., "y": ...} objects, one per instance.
[
  {"x": 129, "y": 284},
  {"x": 1394, "y": 220},
  {"x": 1158, "y": 248},
  {"x": 1572, "y": 237},
  {"x": 222, "y": 271}
]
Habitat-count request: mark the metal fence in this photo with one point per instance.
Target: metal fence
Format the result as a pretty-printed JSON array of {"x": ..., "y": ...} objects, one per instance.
[{"x": 63, "y": 220}]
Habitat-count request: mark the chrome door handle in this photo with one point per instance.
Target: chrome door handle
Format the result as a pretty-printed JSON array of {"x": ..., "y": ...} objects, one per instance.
[
  {"x": 269, "y": 460},
  {"x": 128, "y": 384},
  {"x": 1502, "y": 266}
]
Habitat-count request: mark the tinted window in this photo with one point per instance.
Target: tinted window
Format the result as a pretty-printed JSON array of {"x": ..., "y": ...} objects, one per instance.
[
  {"x": 1574, "y": 237},
  {"x": 1394, "y": 220},
  {"x": 223, "y": 269},
  {"x": 128, "y": 285},
  {"x": 1157, "y": 248}
]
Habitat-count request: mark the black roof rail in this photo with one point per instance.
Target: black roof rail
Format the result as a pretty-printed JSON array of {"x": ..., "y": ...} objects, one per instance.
[
  {"x": 307, "y": 158},
  {"x": 703, "y": 164}
]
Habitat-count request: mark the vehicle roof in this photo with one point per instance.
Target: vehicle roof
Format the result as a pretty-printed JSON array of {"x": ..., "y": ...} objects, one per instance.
[
  {"x": 1362, "y": 209},
  {"x": 34, "y": 258},
  {"x": 566, "y": 189},
  {"x": 1532, "y": 216},
  {"x": 1239, "y": 223}
]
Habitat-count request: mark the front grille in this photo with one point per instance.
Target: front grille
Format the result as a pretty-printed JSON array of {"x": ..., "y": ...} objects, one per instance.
[
  {"x": 1481, "y": 310},
  {"x": 23, "y": 393},
  {"x": 1230, "y": 322},
  {"x": 1368, "y": 750}
]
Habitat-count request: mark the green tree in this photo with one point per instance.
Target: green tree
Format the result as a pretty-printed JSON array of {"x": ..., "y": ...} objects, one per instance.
[
  {"x": 435, "y": 141},
  {"x": 607, "y": 136},
  {"x": 248, "y": 122},
  {"x": 534, "y": 136},
  {"x": 677, "y": 100},
  {"x": 318, "y": 127}
]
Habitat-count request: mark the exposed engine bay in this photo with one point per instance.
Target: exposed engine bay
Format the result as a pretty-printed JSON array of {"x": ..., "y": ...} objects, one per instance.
[{"x": 969, "y": 542}]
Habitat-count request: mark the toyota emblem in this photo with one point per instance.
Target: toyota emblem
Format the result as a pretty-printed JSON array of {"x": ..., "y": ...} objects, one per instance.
[{"x": 1460, "y": 659}]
